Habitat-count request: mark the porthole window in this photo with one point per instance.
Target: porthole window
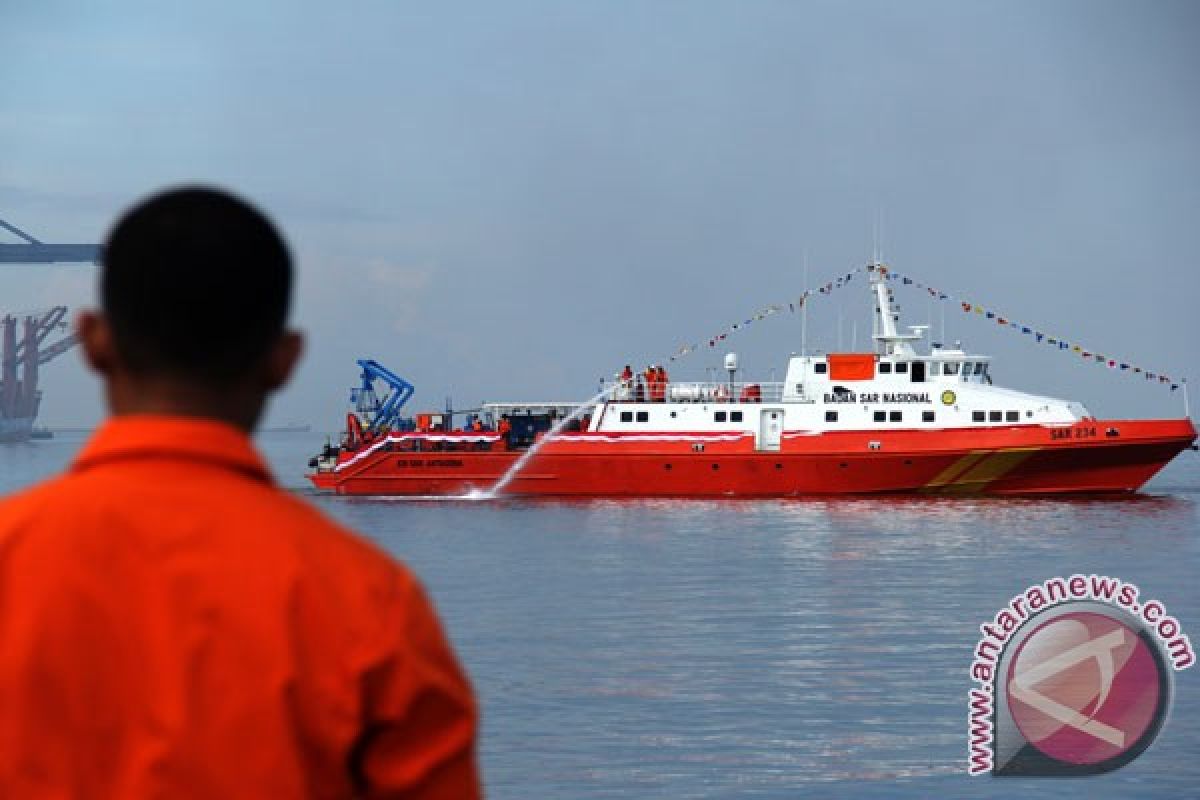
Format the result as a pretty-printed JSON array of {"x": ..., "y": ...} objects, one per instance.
[
  {"x": 885, "y": 368},
  {"x": 626, "y": 416},
  {"x": 1012, "y": 416},
  {"x": 902, "y": 367},
  {"x": 735, "y": 416},
  {"x": 895, "y": 416},
  {"x": 881, "y": 416},
  {"x": 719, "y": 416},
  {"x": 831, "y": 416},
  {"x": 643, "y": 416},
  {"x": 978, "y": 416},
  {"x": 820, "y": 367},
  {"x": 927, "y": 416},
  {"x": 994, "y": 416}
]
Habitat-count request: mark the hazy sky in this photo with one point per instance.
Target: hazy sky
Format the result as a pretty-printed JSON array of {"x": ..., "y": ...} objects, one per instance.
[{"x": 509, "y": 200}]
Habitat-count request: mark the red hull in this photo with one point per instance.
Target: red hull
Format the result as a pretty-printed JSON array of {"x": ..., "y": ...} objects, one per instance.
[{"x": 1091, "y": 456}]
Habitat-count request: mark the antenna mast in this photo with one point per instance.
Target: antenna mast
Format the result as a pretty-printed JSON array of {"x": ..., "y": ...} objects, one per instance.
[{"x": 804, "y": 310}]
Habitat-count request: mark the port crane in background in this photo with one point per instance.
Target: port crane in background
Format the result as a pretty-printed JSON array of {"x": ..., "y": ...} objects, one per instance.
[
  {"x": 22, "y": 355},
  {"x": 33, "y": 251}
]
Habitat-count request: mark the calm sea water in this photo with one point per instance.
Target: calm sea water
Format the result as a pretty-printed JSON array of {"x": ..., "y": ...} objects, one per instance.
[{"x": 798, "y": 648}]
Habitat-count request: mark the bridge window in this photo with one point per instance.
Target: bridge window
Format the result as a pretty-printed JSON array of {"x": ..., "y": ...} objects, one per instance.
[
  {"x": 719, "y": 416},
  {"x": 978, "y": 416},
  {"x": 927, "y": 416},
  {"x": 979, "y": 368},
  {"x": 1012, "y": 416},
  {"x": 950, "y": 368},
  {"x": 885, "y": 367},
  {"x": 881, "y": 416},
  {"x": 895, "y": 416},
  {"x": 831, "y": 416},
  {"x": 966, "y": 369},
  {"x": 820, "y": 367},
  {"x": 735, "y": 416},
  {"x": 626, "y": 416}
]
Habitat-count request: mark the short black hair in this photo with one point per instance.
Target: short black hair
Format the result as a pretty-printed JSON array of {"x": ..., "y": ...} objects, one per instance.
[{"x": 196, "y": 283}]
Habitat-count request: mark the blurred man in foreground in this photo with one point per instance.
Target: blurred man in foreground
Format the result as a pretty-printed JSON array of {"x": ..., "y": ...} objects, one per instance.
[{"x": 171, "y": 623}]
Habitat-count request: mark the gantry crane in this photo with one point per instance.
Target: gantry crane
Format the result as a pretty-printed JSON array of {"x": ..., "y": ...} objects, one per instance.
[
  {"x": 32, "y": 251},
  {"x": 20, "y": 359}
]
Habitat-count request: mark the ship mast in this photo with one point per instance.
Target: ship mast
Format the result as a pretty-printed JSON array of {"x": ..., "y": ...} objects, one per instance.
[{"x": 888, "y": 340}]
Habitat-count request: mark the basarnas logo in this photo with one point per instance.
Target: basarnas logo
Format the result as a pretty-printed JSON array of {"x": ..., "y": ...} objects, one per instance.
[{"x": 1074, "y": 678}]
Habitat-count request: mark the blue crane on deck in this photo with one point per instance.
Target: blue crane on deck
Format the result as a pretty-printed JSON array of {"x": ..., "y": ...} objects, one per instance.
[{"x": 380, "y": 414}]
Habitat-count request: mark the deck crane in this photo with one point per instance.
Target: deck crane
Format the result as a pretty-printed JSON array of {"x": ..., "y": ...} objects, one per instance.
[{"x": 376, "y": 414}]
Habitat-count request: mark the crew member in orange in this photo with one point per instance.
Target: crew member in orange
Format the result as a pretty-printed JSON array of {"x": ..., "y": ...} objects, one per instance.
[
  {"x": 172, "y": 623},
  {"x": 624, "y": 385},
  {"x": 662, "y": 384},
  {"x": 477, "y": 425},
  {"x": 651, "y": 383},
  {"x": 505, "y": 427}
]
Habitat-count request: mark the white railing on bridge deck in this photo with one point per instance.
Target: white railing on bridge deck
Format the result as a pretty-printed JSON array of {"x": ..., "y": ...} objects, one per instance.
[{"x": 695, "y": 392}]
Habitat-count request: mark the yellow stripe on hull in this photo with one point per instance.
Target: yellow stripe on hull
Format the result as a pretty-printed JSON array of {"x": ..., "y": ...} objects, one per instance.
[
  {"x": 976, "y": 470},
  {"x": 960, "y": 466}
]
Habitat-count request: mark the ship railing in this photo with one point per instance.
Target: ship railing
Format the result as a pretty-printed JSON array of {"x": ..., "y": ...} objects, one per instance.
[{"x": 619, "y": 391}]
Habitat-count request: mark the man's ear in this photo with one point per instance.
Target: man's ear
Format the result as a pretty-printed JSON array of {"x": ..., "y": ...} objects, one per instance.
[
  {"x": 96, "y": 337},
  {"x": 282, "y": 359}
]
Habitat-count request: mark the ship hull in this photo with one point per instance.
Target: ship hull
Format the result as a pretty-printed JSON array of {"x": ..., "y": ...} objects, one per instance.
[{"x": 1094, "y": 456}]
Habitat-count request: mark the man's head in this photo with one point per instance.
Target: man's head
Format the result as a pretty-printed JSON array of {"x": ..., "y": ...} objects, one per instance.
[{"x": 195, "y": 291}]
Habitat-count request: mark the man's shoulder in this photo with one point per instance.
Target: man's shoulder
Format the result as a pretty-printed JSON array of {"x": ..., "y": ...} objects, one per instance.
[
  {"x": 313, "y": 527},
  {"x": 32, "y": 501},
  {"x": 251, "y": 517}
]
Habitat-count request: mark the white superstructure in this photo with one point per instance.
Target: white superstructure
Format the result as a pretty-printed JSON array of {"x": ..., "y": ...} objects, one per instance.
[{"x": 892, "y": 388}]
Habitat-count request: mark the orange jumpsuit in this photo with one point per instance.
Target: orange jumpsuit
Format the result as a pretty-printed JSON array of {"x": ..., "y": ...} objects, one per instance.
[{"x": 173, "y": 625}]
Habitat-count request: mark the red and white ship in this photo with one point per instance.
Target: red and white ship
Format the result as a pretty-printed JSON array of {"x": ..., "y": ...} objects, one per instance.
[{"x": 894, "y": 420}]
